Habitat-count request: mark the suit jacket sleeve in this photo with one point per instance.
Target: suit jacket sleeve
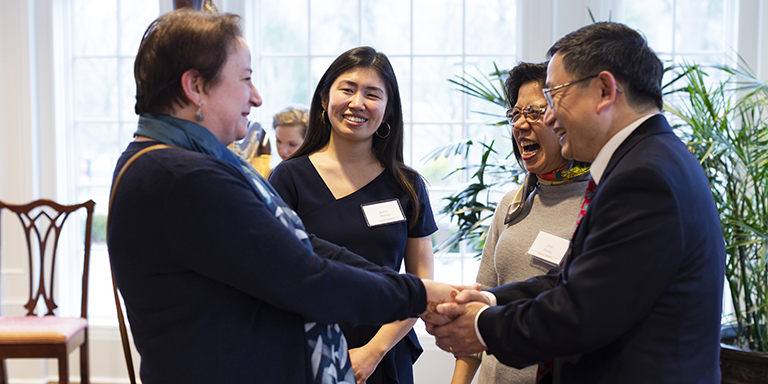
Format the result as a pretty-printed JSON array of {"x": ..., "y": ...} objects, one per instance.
[
  {"x": 237, "y": 240},
  {"x": 528, "y": 289},
  {"x": 623, "y": 254},
  {"x": 331, "y": 251}
]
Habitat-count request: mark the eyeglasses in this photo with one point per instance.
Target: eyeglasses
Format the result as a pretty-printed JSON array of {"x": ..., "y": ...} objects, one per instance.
[
  {"x": 548, "y": 91},
  {"x": 532, "y": 114}
]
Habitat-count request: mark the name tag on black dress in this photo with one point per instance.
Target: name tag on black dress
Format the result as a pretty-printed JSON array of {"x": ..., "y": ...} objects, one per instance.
[{"x": 383, "y": 212}]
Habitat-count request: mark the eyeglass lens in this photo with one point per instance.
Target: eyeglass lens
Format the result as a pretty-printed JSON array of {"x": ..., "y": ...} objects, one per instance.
[{"x": 532, "y": 113}]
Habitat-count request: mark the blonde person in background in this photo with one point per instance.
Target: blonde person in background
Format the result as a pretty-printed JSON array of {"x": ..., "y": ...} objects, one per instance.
[
  {"x": 255, "y": 148},
  {"x": 290, "y": 126}
]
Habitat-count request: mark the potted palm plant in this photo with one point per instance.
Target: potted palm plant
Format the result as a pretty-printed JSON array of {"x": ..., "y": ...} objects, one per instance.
[
  {"x": 473, "y": 205},
  {"x": 723, "y": 120}
]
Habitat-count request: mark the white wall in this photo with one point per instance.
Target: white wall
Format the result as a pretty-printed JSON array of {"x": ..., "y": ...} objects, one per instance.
[{"x": 28, "y": 158}]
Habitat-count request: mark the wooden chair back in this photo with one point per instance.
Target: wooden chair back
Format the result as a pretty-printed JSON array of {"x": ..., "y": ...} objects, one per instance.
[{"x": 43, "y": 222}]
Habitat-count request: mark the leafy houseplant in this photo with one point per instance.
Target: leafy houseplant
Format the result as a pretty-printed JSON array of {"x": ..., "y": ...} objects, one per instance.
[
  {"x": 472, "y": 206},
  {"x": 725, "y": 126}
]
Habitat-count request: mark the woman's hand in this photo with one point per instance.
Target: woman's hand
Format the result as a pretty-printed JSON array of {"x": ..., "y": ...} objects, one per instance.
[
  {"x": 364, "y": 361},
  {"x": 437, "y": 293}
]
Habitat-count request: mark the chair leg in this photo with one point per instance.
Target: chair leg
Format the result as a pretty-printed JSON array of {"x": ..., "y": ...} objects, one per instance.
[
  {"x": 3, "y": 372},
  {"x": 84, "y": 370},
  {"x": 64, "y": 370}
]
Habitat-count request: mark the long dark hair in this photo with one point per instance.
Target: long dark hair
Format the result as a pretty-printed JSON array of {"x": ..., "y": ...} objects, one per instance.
[{"x": 388, "y": 150}]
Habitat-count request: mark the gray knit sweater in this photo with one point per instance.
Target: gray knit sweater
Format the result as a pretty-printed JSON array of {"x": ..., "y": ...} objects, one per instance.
[{"x": 551, "y": 208}]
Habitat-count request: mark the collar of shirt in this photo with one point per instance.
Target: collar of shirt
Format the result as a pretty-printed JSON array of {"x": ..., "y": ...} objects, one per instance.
[{"x": 606, "y": 152}]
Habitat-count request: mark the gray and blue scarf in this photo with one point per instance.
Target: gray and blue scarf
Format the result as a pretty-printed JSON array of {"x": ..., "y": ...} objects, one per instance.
[{"x": 326, "y": 352}]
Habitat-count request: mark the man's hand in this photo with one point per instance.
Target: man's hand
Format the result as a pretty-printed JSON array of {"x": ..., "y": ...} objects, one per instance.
[
  {"x": 458, "y": 337},
  {"x": 471, "y": 294}
]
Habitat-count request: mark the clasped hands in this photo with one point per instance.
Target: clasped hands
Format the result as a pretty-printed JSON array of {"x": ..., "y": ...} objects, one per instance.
[{"x": 450, "y": 316}]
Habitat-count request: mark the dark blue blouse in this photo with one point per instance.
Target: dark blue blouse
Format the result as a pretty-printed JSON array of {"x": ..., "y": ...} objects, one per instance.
[{"x": 342, "y": 222}]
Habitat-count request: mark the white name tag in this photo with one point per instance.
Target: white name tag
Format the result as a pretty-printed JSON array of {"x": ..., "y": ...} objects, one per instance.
[
  {"x": 384, "y": 212},
  {"x": 549, "y": 248}
]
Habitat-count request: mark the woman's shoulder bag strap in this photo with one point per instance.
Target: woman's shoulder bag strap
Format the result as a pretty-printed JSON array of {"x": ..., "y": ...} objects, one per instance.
[{"x": 120, "y": 317}]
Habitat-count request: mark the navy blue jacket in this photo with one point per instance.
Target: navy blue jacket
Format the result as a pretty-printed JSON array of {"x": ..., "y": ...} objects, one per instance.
[{"x": 217, "y": 290}]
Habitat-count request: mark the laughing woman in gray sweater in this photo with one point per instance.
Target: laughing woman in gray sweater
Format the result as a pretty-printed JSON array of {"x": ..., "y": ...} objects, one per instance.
[{"x": 532, "y": 226}]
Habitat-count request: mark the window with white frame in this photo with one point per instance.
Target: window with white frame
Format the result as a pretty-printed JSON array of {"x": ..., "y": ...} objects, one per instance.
[
  {"x": 690, "y": 31},
  {"x": 102, "y": 38},
  {"x": 687, "y": 30}
]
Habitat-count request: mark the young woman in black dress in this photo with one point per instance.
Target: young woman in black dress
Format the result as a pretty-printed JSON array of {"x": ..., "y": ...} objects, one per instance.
[{"x": 350, "y": 186}]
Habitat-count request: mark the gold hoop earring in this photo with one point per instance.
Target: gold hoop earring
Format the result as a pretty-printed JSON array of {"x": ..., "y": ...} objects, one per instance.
[
  {"x": 199, "y": 113},
  {"x": 389, "y": 130},
  {"x": 323, "y": 116}
]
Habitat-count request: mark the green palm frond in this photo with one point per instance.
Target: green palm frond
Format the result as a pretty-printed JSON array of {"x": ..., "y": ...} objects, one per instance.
[{"x": 724, "y": 125}]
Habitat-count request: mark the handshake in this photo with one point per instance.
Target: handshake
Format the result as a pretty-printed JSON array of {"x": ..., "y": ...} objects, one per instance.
[{"x": 450, "y": 316}]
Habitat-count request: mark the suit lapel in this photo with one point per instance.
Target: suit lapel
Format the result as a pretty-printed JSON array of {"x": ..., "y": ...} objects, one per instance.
[{"x": 653, "y": 126}]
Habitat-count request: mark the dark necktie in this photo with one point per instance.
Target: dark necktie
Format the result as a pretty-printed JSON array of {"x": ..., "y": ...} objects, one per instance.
[{"x": 585, "y": 203}]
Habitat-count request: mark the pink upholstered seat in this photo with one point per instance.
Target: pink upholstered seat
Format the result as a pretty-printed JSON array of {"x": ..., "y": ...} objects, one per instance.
[{"x": 39, "y": 330}]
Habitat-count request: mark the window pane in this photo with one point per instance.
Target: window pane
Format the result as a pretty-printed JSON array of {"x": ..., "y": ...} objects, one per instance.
[
  {"x": 434, "y": 98},
  {"x": 437, "y": 26},
  {"x": 490, "y": 26},
  {"x": 127, "y": 90},
  {"x": 104, "y": 39},
  {"x": 319, "y": 66},
  {"x": 502, "y": 144},
  {"x": 456, "y": 270},
  {"x": 100, "y": 297},
  {"x": 95, "y": 27},
  {"x": 101, "y": 303},
  {"x": 284, "y": 26},
  {"x": 427, "y": 137},
  {"x": 387, "y": 25},
  {"x": 95, "y": 88},
  {"x": 283, "y": 83},
  {"x": 334, "y": 26},
  {"x": 402, "y": 68},
  {"x": 700, "y": 25},
  {"x": 705, "y": 59},
  {"x": 657, "y": 25},
  {"x": 125, "y": 136},
  {"x": 135, "y": 17},
  {"x": 481, "y": 68},
  {"x": 445, "y": 227},
  {"x": 97, "y": 147}
]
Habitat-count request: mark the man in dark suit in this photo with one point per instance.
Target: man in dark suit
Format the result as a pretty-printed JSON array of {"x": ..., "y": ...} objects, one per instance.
[{"x": 638, "y": 298}]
